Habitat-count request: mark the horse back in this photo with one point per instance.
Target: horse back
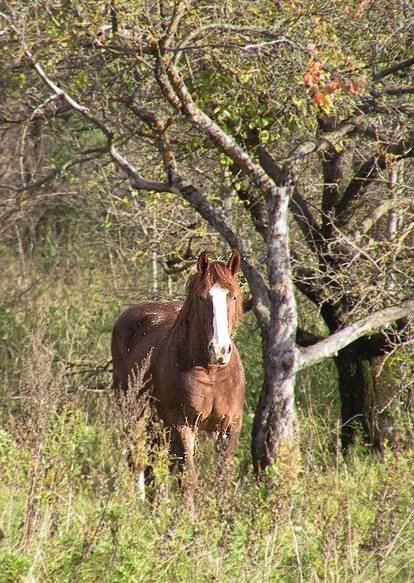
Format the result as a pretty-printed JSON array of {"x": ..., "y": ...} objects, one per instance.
[{"x": 138, "y": 331}]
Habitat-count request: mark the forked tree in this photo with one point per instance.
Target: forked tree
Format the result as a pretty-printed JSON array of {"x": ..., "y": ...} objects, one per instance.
[{"x": 299, "y": 127}]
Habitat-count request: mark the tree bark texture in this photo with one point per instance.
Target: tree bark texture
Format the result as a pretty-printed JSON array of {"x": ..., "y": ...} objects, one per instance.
[
  {"x": 275, "y": 422},
  {"x": 274, "y": 428},
  {"x": 367, "y": 388}
]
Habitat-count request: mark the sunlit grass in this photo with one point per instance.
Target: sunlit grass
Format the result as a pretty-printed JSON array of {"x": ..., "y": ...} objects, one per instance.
[{"x": 329, "y": 519}]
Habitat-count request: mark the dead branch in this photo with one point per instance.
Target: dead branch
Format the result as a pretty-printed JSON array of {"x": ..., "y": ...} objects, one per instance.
[{"x": 330, "y": 346}]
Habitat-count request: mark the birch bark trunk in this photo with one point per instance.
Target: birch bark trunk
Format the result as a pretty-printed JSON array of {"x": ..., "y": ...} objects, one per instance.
[{"x": 274, "y": 428}]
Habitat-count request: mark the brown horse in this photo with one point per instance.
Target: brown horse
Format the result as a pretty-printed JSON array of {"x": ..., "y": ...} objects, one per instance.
[{"x": 195, "y": 375}]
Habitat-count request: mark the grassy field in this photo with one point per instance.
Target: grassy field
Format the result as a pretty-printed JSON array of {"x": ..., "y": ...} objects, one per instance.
[{"x": 68, "y": 509}]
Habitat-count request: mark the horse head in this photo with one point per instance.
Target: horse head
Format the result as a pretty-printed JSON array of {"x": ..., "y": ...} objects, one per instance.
[{"x": 214, "y": 306}]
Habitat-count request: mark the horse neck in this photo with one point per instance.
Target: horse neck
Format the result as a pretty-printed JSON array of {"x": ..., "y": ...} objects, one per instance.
[{"x": 188, "y": 342}]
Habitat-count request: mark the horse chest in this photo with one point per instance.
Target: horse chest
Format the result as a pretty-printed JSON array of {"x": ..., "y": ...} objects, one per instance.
[{"x": 209, "y": 396}]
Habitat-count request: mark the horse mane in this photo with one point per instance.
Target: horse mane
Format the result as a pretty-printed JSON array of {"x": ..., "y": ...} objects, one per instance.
[{"x": 199, "y": 284}]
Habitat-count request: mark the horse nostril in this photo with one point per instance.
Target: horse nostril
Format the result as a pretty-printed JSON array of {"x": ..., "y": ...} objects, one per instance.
[{"x": 229, "y": 349}]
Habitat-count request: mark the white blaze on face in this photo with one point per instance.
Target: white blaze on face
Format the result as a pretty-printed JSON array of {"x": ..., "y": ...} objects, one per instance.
[{"x": 221, "y": 341}]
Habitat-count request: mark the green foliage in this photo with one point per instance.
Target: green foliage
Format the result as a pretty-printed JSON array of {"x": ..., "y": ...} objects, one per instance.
[
  {"x": 342, "y": 521},
  {"x": 13, "y": 567}
]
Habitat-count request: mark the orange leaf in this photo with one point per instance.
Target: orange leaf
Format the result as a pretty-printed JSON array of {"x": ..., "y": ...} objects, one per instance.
[
  {"x": 331, "y": 87},
  {"x": 323, "y": 100},
  {"x": 308, "y": 79}
]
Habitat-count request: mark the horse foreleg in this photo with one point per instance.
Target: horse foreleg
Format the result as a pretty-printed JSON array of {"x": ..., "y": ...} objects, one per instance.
[
  {"x": 233, "y": 439},
  {"x": 140, "y": 483},
  {"x": 227, "y": 441},
  {"x": 137, "y": 470},
  {"x": 182, "y": 450},
  {"x": 140, "y": 458}
]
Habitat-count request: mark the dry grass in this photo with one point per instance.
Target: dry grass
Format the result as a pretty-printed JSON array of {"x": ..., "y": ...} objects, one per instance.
[
  {"x": 40, "y": 392},
  {"x": 69, "y": 509}
]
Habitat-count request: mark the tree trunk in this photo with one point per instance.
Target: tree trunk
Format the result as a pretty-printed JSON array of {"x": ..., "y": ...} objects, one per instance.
[
  {"x": 274, "y": 428},
  {"x": 275, "y": 423},
  {"x": 351, "y": 390},
  {"x": 366, "y": 387}
]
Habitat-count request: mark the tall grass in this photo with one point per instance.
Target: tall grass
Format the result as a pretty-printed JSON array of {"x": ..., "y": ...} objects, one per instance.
[{"x": 69, "y": 510}]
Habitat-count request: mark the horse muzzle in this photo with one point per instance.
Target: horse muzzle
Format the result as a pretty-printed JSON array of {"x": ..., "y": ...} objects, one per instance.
[{"x": 219, "y": 354}]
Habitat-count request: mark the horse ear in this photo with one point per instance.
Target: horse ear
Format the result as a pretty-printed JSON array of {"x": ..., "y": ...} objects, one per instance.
[
  {"x": 202, "y": 263},
  {"x": 234, "y": 262}
]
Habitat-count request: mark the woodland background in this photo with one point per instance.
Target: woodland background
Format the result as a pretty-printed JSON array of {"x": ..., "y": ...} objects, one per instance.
[{"x": 96, "y": 213}]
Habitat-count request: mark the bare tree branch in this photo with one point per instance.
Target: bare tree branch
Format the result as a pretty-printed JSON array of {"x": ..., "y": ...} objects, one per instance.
[
  {"x": 372, "y": 218},
  {"x": 139, "y": 182},
  {"x": 223, "y": 27},
  {"x": 393, "y": 69},
  {"x": 298, "y": 204},
  {"x": 328, "y": 139},
  {"x": 179, "y": 11},
  {"x": 368, "y": 172},
  {"x": 328, "y": 347},
  {"x": 406, "y": 90},
  {"x": 214, "y": 131},
  {"x": 159, "y": 128},
  {"x": 55, "y": 172}
]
